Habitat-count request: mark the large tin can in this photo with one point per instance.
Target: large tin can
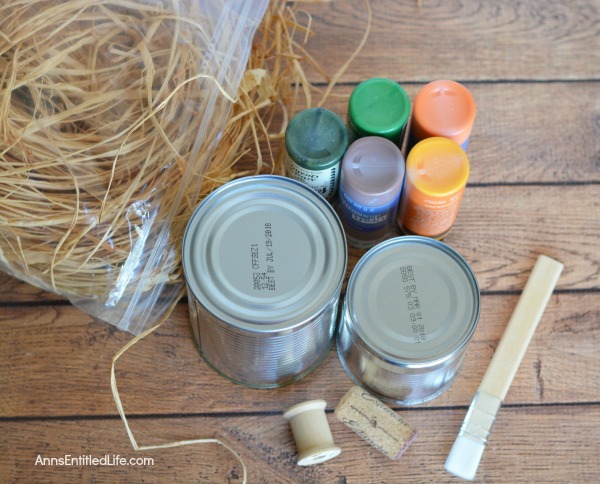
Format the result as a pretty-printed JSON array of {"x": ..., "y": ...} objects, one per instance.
[
  {"x": 411, "y": 307},
  {"x": 264, "y": 259}
]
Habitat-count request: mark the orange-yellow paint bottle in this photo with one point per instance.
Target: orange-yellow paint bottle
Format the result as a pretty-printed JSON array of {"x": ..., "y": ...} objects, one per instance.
[{"x": 437, "y": 170}]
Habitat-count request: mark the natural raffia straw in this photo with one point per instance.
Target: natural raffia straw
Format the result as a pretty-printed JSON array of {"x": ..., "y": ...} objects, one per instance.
[
  {"x": 91, "y": 99},
  {"x": 117, "y": 398}
]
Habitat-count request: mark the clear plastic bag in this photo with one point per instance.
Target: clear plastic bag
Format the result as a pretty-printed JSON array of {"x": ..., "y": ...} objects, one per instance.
[{"x": 110, "y": 114}]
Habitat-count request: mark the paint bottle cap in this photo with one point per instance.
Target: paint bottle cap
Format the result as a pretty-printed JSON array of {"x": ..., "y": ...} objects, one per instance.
[
  {"x": 437, "y": 167},
  {"x": 372, "y": 171},
  {"x": 378, "y": 107},
  {"x": 316, "y": 138},
  {"x": 443, "y": 108}
]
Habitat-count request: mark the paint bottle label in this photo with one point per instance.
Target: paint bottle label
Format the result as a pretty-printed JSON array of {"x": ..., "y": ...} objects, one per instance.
[
  {"x": 367, "y": 218},
  {"x": 426, "y": 216},
  {"x": 324, "y": 182}
]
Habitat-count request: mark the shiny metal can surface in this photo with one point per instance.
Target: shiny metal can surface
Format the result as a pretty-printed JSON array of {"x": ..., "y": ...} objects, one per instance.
[
  {"x": 411, "y": 307},
  {"x": 264, "y": 259}
]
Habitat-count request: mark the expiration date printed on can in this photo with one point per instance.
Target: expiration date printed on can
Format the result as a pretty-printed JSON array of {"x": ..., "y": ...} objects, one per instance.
[
  {"x": 413, "y": 305},
  {"x": 263, "y": 267}
]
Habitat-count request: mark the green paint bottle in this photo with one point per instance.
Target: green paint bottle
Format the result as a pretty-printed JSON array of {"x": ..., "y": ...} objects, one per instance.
[
  {"x": 378, "y": 107},
  {"x": 315, "y": 141}
]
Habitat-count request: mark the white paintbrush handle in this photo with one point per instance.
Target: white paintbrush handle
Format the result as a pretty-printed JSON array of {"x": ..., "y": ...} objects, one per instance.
[
  {"x": 468, "y": 447},
  {"x": 520, "y": 328}
]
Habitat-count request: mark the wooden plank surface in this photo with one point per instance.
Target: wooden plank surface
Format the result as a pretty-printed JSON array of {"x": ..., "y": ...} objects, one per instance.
[
  {"x": 533, "y": 68},
  {"x": 56, "y": 362},
  {"x": 423, "y": 40},
  {"x": 555, "y": 447}
]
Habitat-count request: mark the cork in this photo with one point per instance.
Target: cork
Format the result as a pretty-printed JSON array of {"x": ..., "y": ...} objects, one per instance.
[{"x": 378, "y": 424}]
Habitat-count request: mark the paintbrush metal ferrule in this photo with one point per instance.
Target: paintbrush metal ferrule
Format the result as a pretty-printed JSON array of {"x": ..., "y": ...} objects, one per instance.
[
  {"x": 480, "y": 417},
  {"x": 468, "y": 447}
]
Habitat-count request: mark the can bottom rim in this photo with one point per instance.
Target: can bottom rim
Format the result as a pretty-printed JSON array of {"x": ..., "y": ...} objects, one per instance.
[
  {"x": 266, "y": 386},
  {"x": 389, "y": 398}
]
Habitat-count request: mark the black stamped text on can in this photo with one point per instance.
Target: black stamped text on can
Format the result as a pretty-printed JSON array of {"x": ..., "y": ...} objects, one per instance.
[
  {"x": 263, "y": 265},
  {"x": 413, "y": 305}
]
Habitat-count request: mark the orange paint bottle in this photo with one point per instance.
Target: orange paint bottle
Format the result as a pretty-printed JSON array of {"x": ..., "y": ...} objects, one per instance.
[
  {"x": 442, "y": 108},
  {"x": 437, "y": 170}
]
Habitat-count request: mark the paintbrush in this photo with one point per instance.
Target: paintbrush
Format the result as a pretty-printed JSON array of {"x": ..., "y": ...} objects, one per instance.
[{"x": 467, "y": 450}]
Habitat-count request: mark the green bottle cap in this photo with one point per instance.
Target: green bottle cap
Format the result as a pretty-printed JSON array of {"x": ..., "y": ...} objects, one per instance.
[
  {"x": 378, "y": 107},
  {"x": 316, "y": 139}
]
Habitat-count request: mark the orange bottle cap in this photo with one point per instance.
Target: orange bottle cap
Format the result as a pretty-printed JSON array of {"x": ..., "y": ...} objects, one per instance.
[
  {"x": 438, "y": 167},
  {"x": 443, "y": 108}
]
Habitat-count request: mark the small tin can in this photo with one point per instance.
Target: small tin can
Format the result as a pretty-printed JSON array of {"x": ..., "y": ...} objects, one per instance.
[
  {"x": 315, "y": 141},
  {"x": 437, "y": 170},
  {"x": 264, "y": 259},
  {"x": 410, "y": 310},
  {"x": 378, "y": 107}
]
